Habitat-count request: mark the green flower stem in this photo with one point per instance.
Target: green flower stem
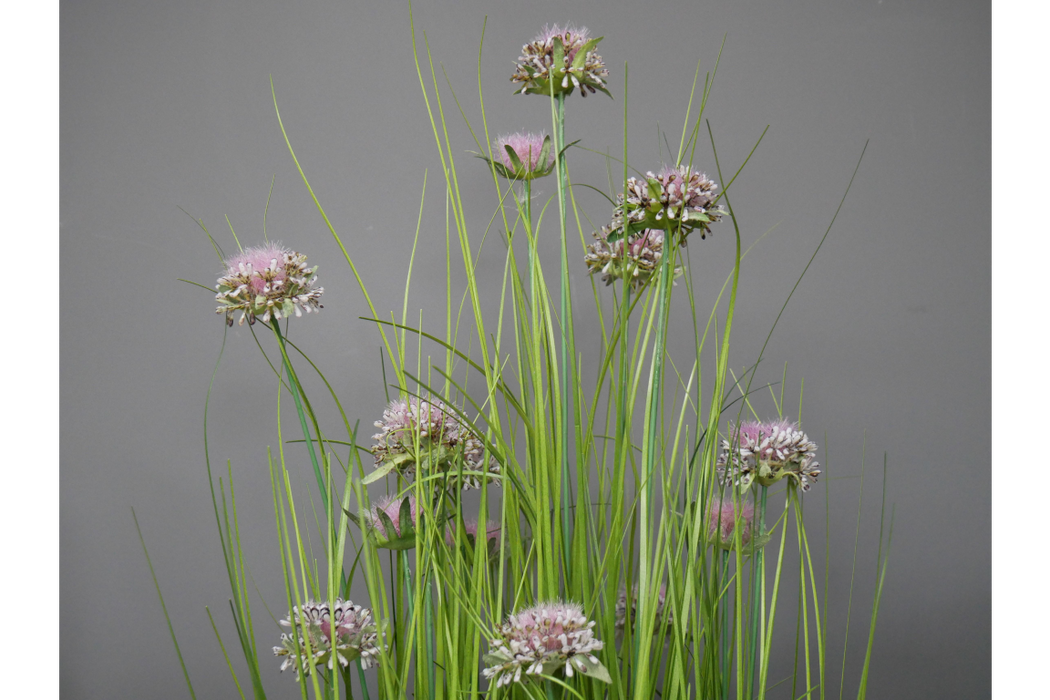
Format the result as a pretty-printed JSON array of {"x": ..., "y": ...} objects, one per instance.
[
  {"x": 653, "y": 400},
  {"x": 402, "y": 639},
  {"x": 293, "y": 383},
  {"x": 563, "y": 179},
  {"x": 531, "y": 233},
  {"x": 345, "y": 673},
  {"x": 724, "y": 632},
  {"x": 361, "y": 680},
  {"x": 759, "y": 570}
]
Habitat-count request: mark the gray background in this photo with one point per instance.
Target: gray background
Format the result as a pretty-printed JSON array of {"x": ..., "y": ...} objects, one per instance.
[{"x": 168, "y": 104}]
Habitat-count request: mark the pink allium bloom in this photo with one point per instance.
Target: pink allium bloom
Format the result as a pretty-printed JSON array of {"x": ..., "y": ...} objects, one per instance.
[
  {"x": 427, "y": 435},
  {"x": 542, "y": 640},
  {"x": 767, "y": 453},
  {"x": 355, "y": 636},
  {"x": 528, "y": 148},
  {"x": 634, "y": 258},
  {"x": 677, "y": 199},
  {"x": 268, "y": 281},
  {"x": 391, "y": 507},
  {"x": 622, "y": 603},
  {"x": 538, "y": 74},
  {"x": 723, "y": 519}
]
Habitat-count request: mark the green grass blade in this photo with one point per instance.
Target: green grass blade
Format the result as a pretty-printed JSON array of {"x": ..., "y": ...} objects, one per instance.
[{"x": 160, "y": 596}]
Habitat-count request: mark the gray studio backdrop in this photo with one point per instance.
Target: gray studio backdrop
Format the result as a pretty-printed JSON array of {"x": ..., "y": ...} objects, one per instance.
[{"x": 167, "y": 105}]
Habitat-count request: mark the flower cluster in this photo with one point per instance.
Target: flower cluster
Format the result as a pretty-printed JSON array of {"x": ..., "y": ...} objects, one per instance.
[
  {"x": 427, "y": 436},
  {"x": 622, "y": 604},
  {"x": 676, "y": 199},
  {"x": 767, "y": 453},
  {"x": 523, "y": 156},
  {"x": 543, "y": 639},
  {"x": 268, "y": 281},
  {"x": 724, "y": 520},
  {"x": 634, "y": 258},
  {"x": 343, "y": 634},
  {"x": 559, "y": 60}
]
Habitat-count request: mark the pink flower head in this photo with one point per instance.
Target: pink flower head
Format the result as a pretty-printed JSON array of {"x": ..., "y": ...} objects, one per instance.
[
  {"x": 541, "y": 640},
  {"x": 634, "y": 258},
  {"x": 723, "y": 517},
  {"x": 539, "y": 75},
  {"x": 268, "y": 281},
  {"x": 311, "y": 635},
  {"x": 391, "y": 507},
  {"x": 528, "y": 148},
  {"x": 427, "y": 434},
  {"x": 768, "y": 452},
  {"x": 677, "y": 199}
]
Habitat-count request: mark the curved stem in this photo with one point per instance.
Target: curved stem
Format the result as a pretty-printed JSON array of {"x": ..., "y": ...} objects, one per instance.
[{"x": 293, "y": 384}]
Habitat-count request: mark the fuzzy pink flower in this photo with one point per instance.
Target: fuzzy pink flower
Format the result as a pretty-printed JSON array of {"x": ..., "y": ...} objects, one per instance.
[
  {"x": 543, "y": 639},
  {"x": 768, "y": 452},
  {"x": 532, "y": 151},
  {"x": 723, "y": 518},
  {"x": 526, "y": 146},
  {"x": 391, "y": 507},
  {"x": 268, "y": 281},
  {"x": 427, "y": 435}
]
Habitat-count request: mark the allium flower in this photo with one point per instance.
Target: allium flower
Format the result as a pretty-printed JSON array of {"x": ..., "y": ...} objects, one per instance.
[
  {"x": 622, "y": 603},
  {"x": 427, "y": 436},
  {"x": 543, "y": 639},
  {"x": 392, "y": 522},
  {"x": 767, "y": 453},
  {"x": 635, "y": 258},
  {"x": 559, "y": 60},
  {"x": 267, "y": 281},
  {"x": 523, "y": 156},
  {"x": 355, "y": 636},
  {"x": 723, "y": 519},
  {"x": 676, "y": 199}
]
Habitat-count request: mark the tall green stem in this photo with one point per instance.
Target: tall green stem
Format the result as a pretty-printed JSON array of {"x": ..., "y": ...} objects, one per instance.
[
  {"x": 653, "y": 402},
  {"x": 758, "y": 575},
  {"x": 563, "y": 182},
  {"x": 724, "y": 632}
]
